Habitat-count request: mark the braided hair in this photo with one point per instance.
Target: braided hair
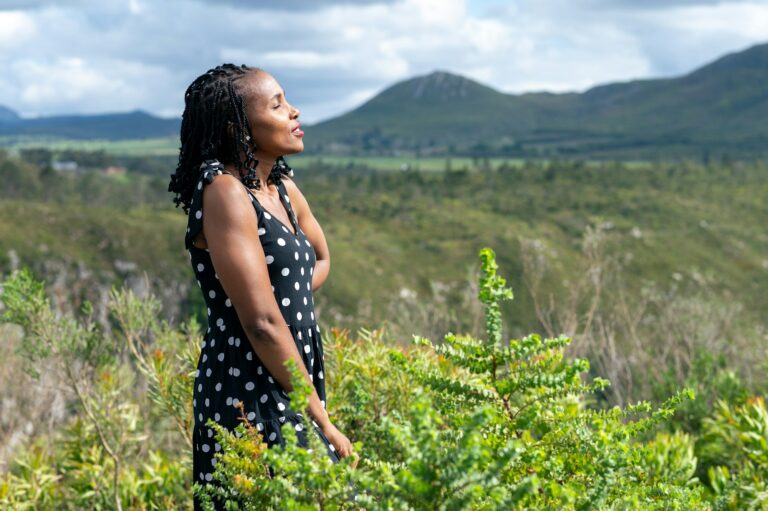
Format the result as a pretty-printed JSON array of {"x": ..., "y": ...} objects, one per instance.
[{"x": 214, "y": 127}]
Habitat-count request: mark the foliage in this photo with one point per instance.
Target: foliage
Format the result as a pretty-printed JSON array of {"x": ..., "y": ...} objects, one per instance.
[{"x": 466, "y": 423}]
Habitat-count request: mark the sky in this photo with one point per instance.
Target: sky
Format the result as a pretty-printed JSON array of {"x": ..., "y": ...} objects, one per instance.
[{"x": 330, "y": 56}]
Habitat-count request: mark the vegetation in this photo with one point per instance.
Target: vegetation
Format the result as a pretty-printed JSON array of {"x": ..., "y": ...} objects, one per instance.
[{"x": 463, "y": 423}]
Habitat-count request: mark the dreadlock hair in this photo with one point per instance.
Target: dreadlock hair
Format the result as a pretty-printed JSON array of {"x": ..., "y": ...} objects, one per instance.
[{"x": 214, "y": 127}]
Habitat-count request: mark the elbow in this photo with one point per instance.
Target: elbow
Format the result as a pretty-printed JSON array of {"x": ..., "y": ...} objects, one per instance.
[{"x": 264, "y": 328}]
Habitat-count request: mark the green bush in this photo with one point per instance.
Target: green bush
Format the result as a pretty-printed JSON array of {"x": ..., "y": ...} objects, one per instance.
[{"x": 463, "y": 423}]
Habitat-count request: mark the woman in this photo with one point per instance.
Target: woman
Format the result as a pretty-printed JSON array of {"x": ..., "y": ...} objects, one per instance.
[{"x": 257, "y": 252}]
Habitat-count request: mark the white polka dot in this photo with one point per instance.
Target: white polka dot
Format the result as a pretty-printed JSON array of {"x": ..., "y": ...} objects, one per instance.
[
  {"x": 209, "y": 311},
  {"x": 235, "y": 371},
  {"x": 216, "y": 417},
  {"x": 218, "y": 387},
  {"x": 202, "y": 476},
  {"x": 320, "y": 375},
  {"x": 267, "y": 215},
  {"x": 249, "y": 386},
  {"x": 298, "y": 335},
  {"x": 205, "y": 357},
  {"x": 208, "y": 372},
  {"x": 208, "y": 477},
  {"x": 235, "y": 402},
  {"x": 286, "y": 302},
  {"x": 228, "y": 303},
  {"x": 281, "y": 418},
  {"x": 197, "y": 373},
  {"x": 200, "y": 417},
  {"x": 302, "y": 270},
  {"x": 200, "y": 267},
  {"x": 213, "y": 341},
  {"x": 221, "y": 357},
  {"x": 199, "y": 387},
  {"x": 306, "y": 256},
  {"x": 308, "y": 288},
  {"x": 231, "y": 341},
  {"x": 270, "y": 259},
  {"x": 310, "y": 270},
  {"x": 263, "y": 398},
  {"x": 206, "y": 447},
  {"x": 305, "y": 300},
  {"x": 229, "y": 401},
  {"x": 212, "y": 293},
  {"x": 331, "y": 447},
  {"x": 311, "y": 315},
  {"x": 237, "y": 342},
  {"x": 286, "y": 198},
  {"x": 259, "y": 370},
  {"x": 214, "y": 461},
  {"x": 259, "y": 426},
  {"x": 295, "y": 256},
  {"x": 251, "y": 416},
  {"x": 298, "y": 427},
  {"x": 285, "y": 271},
  {"x": 216, "y": 275},
  {"x": 307, "y": 242},
  {"x": 200, "y": 185},
  {"x": 298, "y": 315},
  {"x": 207, "y": 402},
  {"x": 307, "y": 349},
  {"x": 249, "y": 355},
  {"x": 272, "y": 435},
  {"x": 273, "y": 289},
  {"x": 199, "y": 214},
  {"x": 281, "y": 242},
  {"x": 311, "y": 377},
  {"x": 285, "y": 228},
  {"x": 262, "y": 231},
  {"x": 280, "y": 406},
  {"x": 296, "y": 286}
]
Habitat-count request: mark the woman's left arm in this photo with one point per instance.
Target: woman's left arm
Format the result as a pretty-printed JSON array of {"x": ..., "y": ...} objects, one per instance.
[{"x": 314, "y": 232}]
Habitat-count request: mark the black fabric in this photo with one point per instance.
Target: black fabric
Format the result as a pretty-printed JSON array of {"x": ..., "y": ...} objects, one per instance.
[{"x": 229, "y": 371}]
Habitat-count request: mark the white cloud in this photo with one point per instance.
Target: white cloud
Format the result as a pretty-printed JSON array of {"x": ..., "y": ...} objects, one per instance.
[{"x": 127, "y": 54}]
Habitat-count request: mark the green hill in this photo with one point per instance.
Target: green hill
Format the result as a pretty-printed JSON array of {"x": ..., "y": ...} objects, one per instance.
[{"x": 716, "y": 109}]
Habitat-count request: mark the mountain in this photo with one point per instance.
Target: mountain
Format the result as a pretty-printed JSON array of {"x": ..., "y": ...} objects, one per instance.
[
  {"x": 8, "y": 115},
  {"x": 117, "y": 126},
  {"x": 718, "y": 107}
]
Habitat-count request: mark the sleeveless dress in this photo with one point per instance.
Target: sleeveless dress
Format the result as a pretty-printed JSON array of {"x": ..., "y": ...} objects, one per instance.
[{"x": 228, "y": 370}]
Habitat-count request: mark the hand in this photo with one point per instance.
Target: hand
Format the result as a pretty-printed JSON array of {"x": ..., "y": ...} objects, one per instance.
[{"x": 338, "y": 440}]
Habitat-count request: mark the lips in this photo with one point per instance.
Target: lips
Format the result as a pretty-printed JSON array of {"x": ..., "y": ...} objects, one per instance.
[{"x": 297, "y": 131}]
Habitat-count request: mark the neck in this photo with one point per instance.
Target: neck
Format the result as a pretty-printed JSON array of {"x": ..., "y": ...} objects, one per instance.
[{"x": 263, "y": 169}]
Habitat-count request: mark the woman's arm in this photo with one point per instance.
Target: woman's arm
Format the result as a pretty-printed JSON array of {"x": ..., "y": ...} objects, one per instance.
[
  {"x": 314, "y": 232},
  {"x": 231, "y": 231}
]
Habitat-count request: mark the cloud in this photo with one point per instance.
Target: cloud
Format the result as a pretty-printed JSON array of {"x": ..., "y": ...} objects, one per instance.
[{"x": 329, "y": 56}]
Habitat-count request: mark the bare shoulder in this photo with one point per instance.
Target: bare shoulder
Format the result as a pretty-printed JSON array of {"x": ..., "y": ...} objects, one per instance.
[{"x": 224, "y": 190}]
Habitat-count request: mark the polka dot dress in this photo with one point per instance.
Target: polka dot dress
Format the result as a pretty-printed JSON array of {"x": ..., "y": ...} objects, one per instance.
[{"x": 228, "y": 371}]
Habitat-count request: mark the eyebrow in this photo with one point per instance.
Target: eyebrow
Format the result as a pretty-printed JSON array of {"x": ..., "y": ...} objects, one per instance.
[{"x": 276, "y": 95}]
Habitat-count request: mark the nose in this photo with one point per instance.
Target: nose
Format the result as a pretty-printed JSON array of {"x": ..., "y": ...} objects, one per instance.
[{"x": 295, "y": 112}]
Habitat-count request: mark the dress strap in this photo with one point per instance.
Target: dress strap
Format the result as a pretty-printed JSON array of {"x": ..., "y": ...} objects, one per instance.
[{"x": 283, "y": 192}]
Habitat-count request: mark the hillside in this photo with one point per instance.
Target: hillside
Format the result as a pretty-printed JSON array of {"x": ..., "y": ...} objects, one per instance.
[
  {"x": 717, "y": 110},
  {"x": 117, "y": 126}
]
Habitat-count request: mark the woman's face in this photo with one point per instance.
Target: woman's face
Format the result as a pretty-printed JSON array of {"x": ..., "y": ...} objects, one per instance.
[{"x": 273, "y": 120}]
